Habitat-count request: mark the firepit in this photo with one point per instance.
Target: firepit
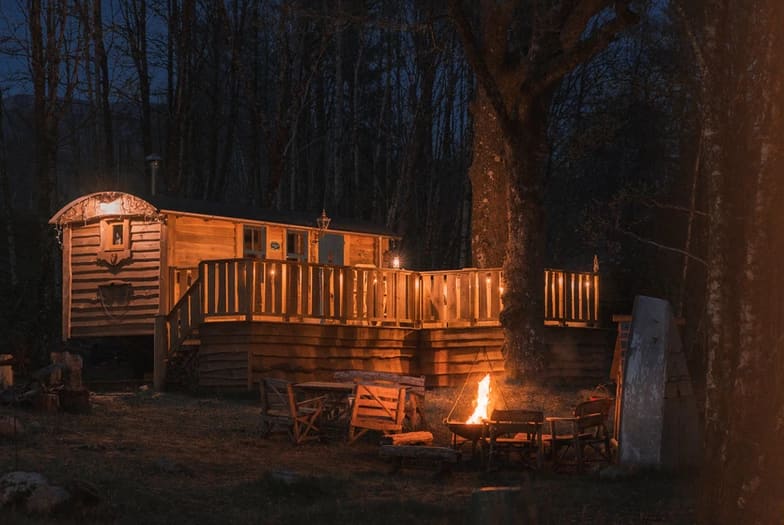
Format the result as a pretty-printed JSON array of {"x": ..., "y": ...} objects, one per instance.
[
  {"x": 473, "y": 428},
  {"x": 469, "y": 431},
  {"x": 473, "y": 432}
]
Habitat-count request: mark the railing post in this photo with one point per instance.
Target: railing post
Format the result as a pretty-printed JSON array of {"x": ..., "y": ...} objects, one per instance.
[
  {"x": 247, "y": 266},
  {"x": 160, "y": 352}
]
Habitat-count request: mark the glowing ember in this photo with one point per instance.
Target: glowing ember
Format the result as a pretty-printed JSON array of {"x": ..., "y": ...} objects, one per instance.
[{"x": 482, "y": 400}]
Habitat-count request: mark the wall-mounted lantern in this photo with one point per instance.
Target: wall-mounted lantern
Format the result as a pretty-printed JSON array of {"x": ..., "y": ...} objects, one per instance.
[{"x": 322, "y": 221}]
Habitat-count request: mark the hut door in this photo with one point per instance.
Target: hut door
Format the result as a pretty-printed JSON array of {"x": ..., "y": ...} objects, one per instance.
[{"x": 330, "y": 249}]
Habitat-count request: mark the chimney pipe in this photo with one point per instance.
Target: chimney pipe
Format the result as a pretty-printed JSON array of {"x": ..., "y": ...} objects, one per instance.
[{"x": 154, "y": 161}]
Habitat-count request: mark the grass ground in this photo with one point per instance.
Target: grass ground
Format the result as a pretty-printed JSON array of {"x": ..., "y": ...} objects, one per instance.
[{"x": 174, "y": 458}]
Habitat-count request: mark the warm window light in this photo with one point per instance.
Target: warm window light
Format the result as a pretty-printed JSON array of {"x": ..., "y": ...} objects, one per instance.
[
  {"x": 111, "y": 208},
  {"x": 560, "y": 279},
  {"x": 272, "y": 272},
  {"x": 487, "y": 279},
  {"x": 396, "y": 262}
]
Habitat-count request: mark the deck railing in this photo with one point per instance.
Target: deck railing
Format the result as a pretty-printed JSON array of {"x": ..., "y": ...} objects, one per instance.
[
  {"x": 253, "y": 289},
  {"x": 571, "y": 297}
]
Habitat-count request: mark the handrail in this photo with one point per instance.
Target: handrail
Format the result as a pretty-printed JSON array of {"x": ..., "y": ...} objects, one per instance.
[
  {"x": 247, "y": 289},
  {"x": 186, "y": 315}
]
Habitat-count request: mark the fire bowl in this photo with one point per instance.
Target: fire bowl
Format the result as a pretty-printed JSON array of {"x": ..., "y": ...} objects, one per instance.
[{"x": 470, "y": 431}]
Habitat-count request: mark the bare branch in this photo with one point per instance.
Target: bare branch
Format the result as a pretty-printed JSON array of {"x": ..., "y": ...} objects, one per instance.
[
  {"x": 581, "y": 52},
  {"x": 576, "y": 15},
  {"x": 653, "y": 203},
  {"x": 487, "y": 81},
  {"x": 662, "y": 246}
]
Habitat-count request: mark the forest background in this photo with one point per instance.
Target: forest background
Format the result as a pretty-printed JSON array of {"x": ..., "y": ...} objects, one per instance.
[{"x": 660, "y": 152}]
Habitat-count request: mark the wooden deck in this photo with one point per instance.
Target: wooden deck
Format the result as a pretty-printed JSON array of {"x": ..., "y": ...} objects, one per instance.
[{"x": 304, "y": 321}]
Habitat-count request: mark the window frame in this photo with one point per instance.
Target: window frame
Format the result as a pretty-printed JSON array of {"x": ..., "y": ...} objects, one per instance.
[{"x": 107, "y": 235}]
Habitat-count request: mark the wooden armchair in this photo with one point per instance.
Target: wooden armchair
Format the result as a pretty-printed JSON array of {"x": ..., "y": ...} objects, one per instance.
[
  {"x": 415, "y": 391},
  {"x": 280, "y": 411},
  {"x": 376, "y": 407},
  {"x": 585, "y": 431},
  {"x": 517, "y": 431}
]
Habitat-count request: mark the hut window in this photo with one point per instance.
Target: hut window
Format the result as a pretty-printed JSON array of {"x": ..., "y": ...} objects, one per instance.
[
  {"x": 115, "y": 235},
  {"x": 296, "y": 245},
  {"x": 254, "y": 241},
  {"x": 115, "y": 249}
]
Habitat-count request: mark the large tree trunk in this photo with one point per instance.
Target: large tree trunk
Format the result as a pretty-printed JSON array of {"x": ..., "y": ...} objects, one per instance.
[
  {"x": 489, "y": 187},
  {"x": 519, "y": 86},
  {"x": 523, "y": 313},
  {"x": 743, "y": 477},
  {"x": 488, "y": 172}
]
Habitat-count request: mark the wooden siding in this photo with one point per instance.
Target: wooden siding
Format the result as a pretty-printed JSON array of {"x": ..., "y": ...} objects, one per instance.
[
  {"x": 276, "y": 235},
  {"x": 239, "y": 354},
  {"x": 195, "y": 239},
  {"x": 236, "y": 355},
  {"x": 361, "y": 250},
  {"x": 93, "y": 312}
]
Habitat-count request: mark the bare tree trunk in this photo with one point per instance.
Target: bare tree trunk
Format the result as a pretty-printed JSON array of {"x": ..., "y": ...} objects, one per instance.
[
  {"x": 49, "y": 62},
  {"x": 741, "y": 86},
  {"x": 102, "y": 68},
  {"x": 134, "y": 13},
  {"x": 337, "y": 121},
  {"x": 6, "y": 209}
]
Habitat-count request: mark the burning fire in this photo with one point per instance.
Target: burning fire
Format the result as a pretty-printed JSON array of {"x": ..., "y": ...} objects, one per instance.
[{"x": 482, "y": 401}]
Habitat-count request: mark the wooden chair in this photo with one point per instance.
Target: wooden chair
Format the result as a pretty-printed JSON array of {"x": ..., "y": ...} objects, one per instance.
[
  {"x": 376, "y": 407},
  {"x": 415, "y": 391},
  {"x": 516, "y": 431},
  {"x": 280, "y": 411},
  {"x": 585, "y": 430}
]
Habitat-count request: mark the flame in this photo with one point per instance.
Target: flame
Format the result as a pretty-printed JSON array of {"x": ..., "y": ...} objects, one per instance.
[{"x": 482, "y": 401}]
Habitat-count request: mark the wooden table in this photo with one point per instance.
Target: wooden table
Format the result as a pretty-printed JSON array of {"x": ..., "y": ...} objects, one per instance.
[{"x": 337, "y": 401}]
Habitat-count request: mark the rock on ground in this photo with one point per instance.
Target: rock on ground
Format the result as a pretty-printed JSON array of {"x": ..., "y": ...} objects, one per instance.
[{"x": 16, "y": 487}]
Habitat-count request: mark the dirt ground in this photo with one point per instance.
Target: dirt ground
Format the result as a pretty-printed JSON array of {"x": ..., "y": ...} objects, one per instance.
[{"x": 174, "y": 458}]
